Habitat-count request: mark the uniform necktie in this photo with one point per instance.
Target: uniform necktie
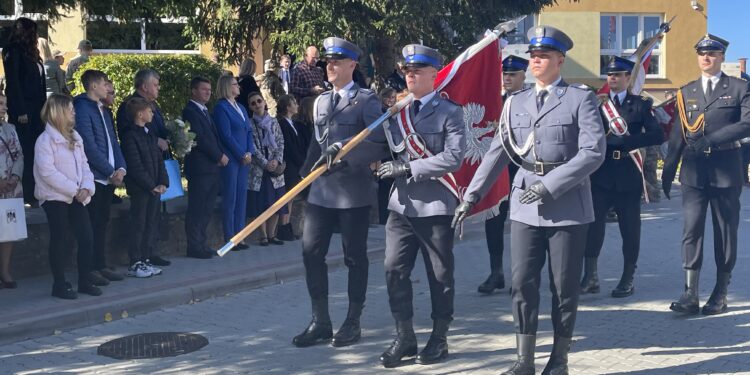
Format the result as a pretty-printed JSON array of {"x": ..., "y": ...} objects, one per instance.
[
  {"x": 540, "y": 99},
  {"x": 617, "y": 101},
  {"x": 417, "y": 105},
  {"x": 709, "y": 89},
  {"x": 336, "y": 99},
  {"x": 205, "y": 112}
]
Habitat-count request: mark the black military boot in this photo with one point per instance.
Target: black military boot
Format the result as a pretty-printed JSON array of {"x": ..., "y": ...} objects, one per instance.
[
  {"x": 688, "y": 302},
  {"x": 590, "y": 281},
  {"x": 625, "y": 287},
  {"x": 437, "y": 346},
  {"x": 350, "y": 332},
  {"x": 717, "y": 303},
  {"x": 558, "y": 359},
  {"x": 496, "y": 280},
  {"x": 320, "y": 328},
  {"x": 285, "y": 232},
  {"x": 405, "y": 345},
  {"x": 525, "y": 344}
]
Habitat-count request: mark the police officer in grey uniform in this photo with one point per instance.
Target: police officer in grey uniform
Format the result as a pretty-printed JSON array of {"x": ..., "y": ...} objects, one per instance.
[
  {"x": 618, "y": 183},
  {"x": 341, "y": 197},
  {"x": 421, "y": 208},
  {"x": 555, "y": 132},
  {"x": 514, "y": 74},
  {"x": 713, "y": 114}
]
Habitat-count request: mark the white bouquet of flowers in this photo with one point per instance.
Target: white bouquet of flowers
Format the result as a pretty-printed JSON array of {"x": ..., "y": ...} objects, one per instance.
[{"x": 181, "y": 139}]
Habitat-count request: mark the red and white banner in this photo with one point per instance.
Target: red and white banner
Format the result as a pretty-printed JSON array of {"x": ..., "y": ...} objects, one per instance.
[{"x": 474, "y": 81}]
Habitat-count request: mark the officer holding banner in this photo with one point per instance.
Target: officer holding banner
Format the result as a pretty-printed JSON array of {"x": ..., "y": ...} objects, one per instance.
[
  {"x": 428, "y": 137},
  {"x": 514, "y": 74},
  {"x": 341, "y": 197},
  {"x": 554, "y": 131},
  {"x": 713, "y": 114},
  {"x": 618, "y": 183}
]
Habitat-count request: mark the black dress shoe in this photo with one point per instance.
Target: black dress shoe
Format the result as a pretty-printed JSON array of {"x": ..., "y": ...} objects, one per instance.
[
  {"x": 240, "y": 246},
  {"x": 199, "y": 254},
  {"x": 8, "y": 284},
  {"x": 402, "y": 346},
  {"x": 348, "y": 334},
  {"x": 496, "y": 280},
  {"x": 159, "y": 261},
  {"x": 89, "y": 288},
  {"x": 275, "y": 241},
  {"x": 64, "y": 291},
  {"x": 315, "y": 333},
  {"x": 435, "y": 351},
  {"x": 111, "y": 275},
  {"x": 97, "y": 279},
  {"x": 263, "y": 242}
]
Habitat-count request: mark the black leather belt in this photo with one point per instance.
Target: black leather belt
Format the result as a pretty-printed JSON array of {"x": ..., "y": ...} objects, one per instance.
[
  {"x": 617, "y": 155},
  {"x": 539, "y": 168},
  {"x": 725, "y": 146}
]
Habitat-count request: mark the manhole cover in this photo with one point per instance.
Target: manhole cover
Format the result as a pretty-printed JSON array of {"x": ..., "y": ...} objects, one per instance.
[{"x": 152, "y": 345}]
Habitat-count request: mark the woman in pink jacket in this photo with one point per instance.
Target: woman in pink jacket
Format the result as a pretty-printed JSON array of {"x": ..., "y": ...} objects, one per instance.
[{"x": 64, "y": 186}]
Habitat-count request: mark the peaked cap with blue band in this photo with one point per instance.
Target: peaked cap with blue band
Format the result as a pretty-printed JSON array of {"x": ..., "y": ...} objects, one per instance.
[
  {"x": 337, "y": 49},
  {"x": 515, "y": 64},
  {"x": 548, "y": 38},
  {"x": 711, "y": 43},
  {"x": 417, "y": 55},
  {"x": 619, "y": 64}
]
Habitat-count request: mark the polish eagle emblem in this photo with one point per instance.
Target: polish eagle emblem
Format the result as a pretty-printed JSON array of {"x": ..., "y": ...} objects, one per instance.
[{"x": 478, "y": 139}]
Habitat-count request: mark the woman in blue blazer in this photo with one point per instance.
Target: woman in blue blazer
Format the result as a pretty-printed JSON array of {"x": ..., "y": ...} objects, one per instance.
[{"x": 236, "y": 138}]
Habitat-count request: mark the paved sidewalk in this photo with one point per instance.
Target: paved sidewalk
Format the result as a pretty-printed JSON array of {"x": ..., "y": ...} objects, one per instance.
[
  {"x": 250, "y": 332},
  {"x": 30, "y": 311}
]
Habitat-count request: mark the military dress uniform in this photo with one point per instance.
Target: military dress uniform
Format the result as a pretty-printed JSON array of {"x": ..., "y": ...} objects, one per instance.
[
  {"x": 342, "y": 198},
  {"x": 618, "y": 184},
  {"x": 494, "y": 228},
  {"x": 563, "y": 142},
  {"x": 421, "y": 209},
  {"x": 713, "y": 115}
]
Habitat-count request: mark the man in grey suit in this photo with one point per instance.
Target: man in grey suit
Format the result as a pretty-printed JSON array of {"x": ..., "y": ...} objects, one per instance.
[
  {"x": 342, "y": 196},
  {"x": 421, "y": 206},
  {"x": 561, "y": 139},
  {"x": 713, "y": 114}
]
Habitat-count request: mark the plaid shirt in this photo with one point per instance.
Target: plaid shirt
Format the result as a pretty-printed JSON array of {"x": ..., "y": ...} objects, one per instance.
[{"x": 304, "y": 78}]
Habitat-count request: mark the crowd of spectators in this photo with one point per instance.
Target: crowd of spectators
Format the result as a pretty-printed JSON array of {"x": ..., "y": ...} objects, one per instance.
[{"x": 68, "y": 155}]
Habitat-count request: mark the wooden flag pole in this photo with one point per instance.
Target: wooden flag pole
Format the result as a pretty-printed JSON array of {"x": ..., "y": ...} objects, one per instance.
[{"x": 286, "y": 198}]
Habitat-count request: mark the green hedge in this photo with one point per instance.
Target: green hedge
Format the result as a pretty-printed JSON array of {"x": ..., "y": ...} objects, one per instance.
[{"x": 175, "y": 72}]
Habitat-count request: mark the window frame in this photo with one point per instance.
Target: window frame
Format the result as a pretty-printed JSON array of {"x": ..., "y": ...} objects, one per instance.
[
  {"x": 18, "y": 12},
  {"x": 658, "y": 52},
  {"x": 144, "y": 48}
]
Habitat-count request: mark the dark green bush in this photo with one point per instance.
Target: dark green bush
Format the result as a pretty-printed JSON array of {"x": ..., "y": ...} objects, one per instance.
[{"x": 175, "y": 72}]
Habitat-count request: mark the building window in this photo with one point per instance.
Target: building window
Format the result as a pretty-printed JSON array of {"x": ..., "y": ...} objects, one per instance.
[
  {"x": 620, "y": 35},
  {"x": 108, "y": 34},
  {"x": 10, "y": 10}
]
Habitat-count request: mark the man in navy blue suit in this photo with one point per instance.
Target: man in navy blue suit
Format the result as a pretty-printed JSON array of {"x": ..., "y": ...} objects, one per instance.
[
  {"x": 96, "y": 127},
  {"x": 201, "y": 168}
]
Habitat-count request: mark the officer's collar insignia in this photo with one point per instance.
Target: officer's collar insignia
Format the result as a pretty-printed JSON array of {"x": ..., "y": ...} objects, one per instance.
[
  {"x": 539, "y": 32},
  {"x": 434, "y": 102},
  {"x": 560, "y": 91}
]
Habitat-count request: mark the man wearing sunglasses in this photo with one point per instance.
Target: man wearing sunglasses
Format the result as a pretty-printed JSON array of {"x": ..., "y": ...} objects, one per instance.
[
  {"x": 554, "y": 131},
  {"x": 341, "y": 197},
  {"x": 618, "y": 184},
  {"x": 713, "y": 114}
]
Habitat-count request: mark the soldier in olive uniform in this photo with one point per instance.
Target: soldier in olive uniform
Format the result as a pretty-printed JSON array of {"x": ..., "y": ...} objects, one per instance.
[
  {"x": 342, "y": 198},
  {"x": 514, "y": 74},
  {"x": 421, "y": 206},
  {"x": 618, "y": 183},
  {"x": 713, "y": 114},
  {"x": 555, "y": 133}
]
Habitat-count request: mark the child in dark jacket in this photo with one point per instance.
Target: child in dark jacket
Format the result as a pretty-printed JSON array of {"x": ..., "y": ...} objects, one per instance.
[{"x": 146, "y": 180}]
